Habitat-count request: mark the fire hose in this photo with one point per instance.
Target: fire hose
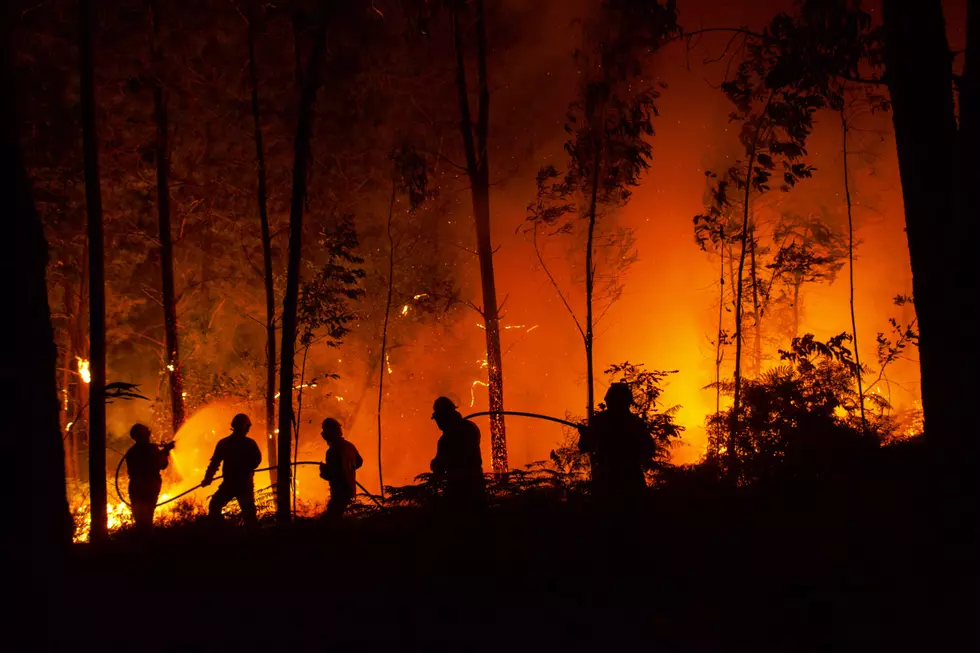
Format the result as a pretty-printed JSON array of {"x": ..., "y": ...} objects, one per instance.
[{"x": 308, "y": 462}]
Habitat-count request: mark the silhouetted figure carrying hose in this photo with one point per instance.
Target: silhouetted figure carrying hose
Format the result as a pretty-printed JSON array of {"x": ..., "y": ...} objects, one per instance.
[
  {"x": 339, "y": 469},
  {"x": 144, "y": 461},
  {"x": 240, "y": 457},
  {"x": 620, "y": 446},
  {"x": 458, "y": 464}
]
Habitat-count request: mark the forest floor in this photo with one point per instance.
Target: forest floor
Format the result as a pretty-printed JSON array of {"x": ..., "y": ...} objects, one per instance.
[{"x": 851, "y": 564}]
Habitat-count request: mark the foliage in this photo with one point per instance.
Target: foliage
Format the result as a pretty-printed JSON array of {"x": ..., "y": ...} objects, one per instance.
[
  {"x": 801, "y": 417},
  {"x": 325, "y": 300}
]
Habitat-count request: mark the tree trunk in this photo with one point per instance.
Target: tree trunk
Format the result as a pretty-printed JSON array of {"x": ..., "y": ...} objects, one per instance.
[
  {"x": 96, "y": 266},
  {"x": 301, "y": 151},
  {"x": 721, "y": 314},
  {"x": 384, "y": 334},
  {"x": 756, "y": 310},
  {"x": 270, "y": 296},
  {"x": 477, "y": 165},
  {"x": 850, "y": 268},
  {"x": 171, "y": 357},
  {"x": 589, "y": 285},
  {"x": 29, "y": 373},
  {"x": 940, "y": 251}
]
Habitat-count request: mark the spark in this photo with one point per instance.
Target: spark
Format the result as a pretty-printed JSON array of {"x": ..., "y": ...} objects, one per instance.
[
  {"x": 481, "y": 326},
  {"x": 405, "y": 309},
  {"x": 83, "y": 370},
  {"x": 388, "y": 362},
  {"x": 183, "y": 394},
  {"x": 420, "y": 296},
  {"x": 473, "y": 391},
  {"x": 339, "y": 398},
  {"x": 68, "y": 426},
  {"x": 170, "y": 367}
]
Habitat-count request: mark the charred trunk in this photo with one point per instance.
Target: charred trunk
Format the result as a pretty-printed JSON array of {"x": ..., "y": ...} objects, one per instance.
[
  {"x": 301, "y": 158},
  {"x": 168, "y": 297},
  {"x": 477, "y": 165},
  {"x": 270, "y": 296}
]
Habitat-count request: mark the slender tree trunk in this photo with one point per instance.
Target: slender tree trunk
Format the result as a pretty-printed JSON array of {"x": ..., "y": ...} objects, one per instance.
[
  {"x": 172, "y": 356},
  {"x": 299, "y": 419},
  {"x": 737, "y": 394},
  {"x": 270, "y": 295},
  {"x": 96, "y": 266},
  {"x": 68, "y": 302},
  {"x": 301, "y": 150},
  {"x": 384, "y": 333},
  {"x": 477, "y": 165},
  {"x": 850, "y": 268},
  {"x": 28, "y": 373},
  {"x": 756, "y": 310},
  {"x": 721, "y": 314},
  {"x": 589, "y": 285}
]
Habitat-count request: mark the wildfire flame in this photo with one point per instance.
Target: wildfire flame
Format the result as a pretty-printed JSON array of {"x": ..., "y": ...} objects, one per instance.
[{"x": 83, "y": 370}]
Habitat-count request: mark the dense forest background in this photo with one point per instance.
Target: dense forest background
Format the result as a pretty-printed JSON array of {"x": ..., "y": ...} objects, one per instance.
[{"x": 389, "y": 85}]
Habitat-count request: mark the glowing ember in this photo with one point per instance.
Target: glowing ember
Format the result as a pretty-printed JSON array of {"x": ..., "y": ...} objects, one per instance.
[
  {"x": 473, "y": 391},
  {"x": 83, "y": 370}
]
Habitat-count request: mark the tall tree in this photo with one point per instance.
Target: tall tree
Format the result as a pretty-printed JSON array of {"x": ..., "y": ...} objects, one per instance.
[
  {"x": 409, "y": 176},
  {"x": 474, "y": 134},
  {"x": 301, "y": 160},
  {"x": 96, "y": 263},
  {"x": 939, "y": 168},
  {"x": 29, "y": 374},
  {"x": 270, "y": 295},
  {"x": 609, "y": 124},
  {"x": 171, "y": 356}
]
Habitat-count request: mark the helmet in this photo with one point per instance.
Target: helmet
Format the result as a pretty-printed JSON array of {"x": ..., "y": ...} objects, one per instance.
[
  {"x": 442, "y": 406},
  {"x": 240, "y": 422},
  {"x": 139, "y": 430},
  {"x": 619, "y": 394},
  {"x": 330, "y": 425}
]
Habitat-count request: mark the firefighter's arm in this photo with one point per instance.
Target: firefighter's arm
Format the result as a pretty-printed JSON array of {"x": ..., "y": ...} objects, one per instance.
[
  {"x": 163, "y": 458},
  {"x": 437, "y": 463},
  {"x": 216, "y": 460},
  {"x": 256, "y": 455}
]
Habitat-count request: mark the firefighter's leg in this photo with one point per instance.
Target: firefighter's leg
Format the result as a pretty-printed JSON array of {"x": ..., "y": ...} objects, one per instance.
[
  {"x": 218, "y": 501},
  {"x": 246, "y": 501},
  {"x": 143, "y": 514}
]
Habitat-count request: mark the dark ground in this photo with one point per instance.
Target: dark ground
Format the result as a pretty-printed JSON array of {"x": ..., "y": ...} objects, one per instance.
[{"x": 846, "y": 564}]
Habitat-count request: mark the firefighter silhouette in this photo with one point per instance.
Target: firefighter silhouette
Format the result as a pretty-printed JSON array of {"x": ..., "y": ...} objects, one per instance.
[
  {"x": 620, "y": 446},
  {"x": 239, "y": 457},
  {"x": 144, "y": 462},
  {"x": 339, "y": 469},
  {"x": 458, "y": 464}
]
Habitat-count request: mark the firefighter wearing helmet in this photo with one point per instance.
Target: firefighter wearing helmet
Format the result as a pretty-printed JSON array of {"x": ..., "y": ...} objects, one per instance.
[
  {"x": 458, "y": 464},
  {"x": 239, "y": 457},
  {"x": 619, "y": 445}
]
